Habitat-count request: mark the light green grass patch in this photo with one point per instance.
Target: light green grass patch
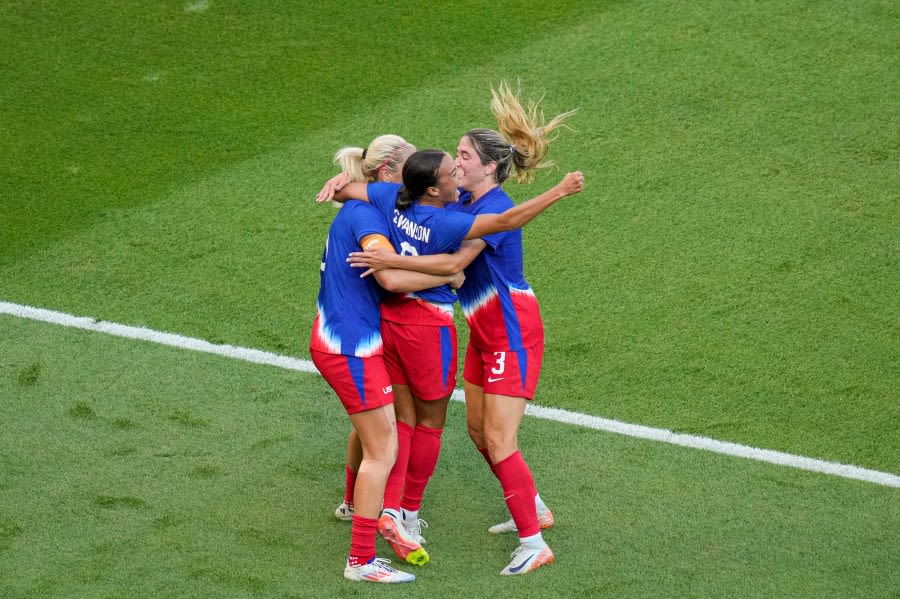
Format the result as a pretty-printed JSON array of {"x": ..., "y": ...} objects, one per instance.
[{"x": 223, "y": 481}]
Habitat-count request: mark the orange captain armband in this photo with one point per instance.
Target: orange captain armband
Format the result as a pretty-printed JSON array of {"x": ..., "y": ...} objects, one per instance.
[{"x": 377, "y": 241}]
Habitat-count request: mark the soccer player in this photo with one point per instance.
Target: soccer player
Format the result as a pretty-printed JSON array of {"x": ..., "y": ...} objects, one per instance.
[
  {"x": 346, "y": 347},
  {"x": 505, "y": 351},
  {"x": 420, "y": 355},
  {"x": 381, "y": 160},
  {"x": 420, "y": 344}
]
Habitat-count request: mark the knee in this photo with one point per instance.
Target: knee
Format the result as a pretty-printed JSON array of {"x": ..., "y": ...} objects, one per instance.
[
  {"x": 477, "y": 435},
  {"x": 432, "y": 416},
  {"x": 499, "y": 444},
  {"x": 383, "y": 452},
  {"x": 376, "y": 468},
  {"x": 405, "y": 413}
]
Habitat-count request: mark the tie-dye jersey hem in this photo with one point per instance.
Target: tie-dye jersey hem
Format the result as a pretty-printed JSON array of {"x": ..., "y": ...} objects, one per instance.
[
  {"x": 325, "y": 340},
  {"x": 508, "y": 321}
]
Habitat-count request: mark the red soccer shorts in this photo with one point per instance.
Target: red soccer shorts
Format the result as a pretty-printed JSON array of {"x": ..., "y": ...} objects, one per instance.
[
  {"x": 422, "y": 357},
  {"x": 512, "y": 373},
  {"x": 360, "y": 383}
]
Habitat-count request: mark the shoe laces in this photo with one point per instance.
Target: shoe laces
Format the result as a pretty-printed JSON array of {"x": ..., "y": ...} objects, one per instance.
[
  {"x": 414, "y": 527},
  {"x": 518, "y": 551},
  {"x": 524, "y": 549},
  {"x": 383, "y": 563}
]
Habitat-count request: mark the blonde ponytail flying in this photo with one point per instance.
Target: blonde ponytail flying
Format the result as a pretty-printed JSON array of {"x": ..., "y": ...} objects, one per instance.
[{"x": 523, "y": 138}]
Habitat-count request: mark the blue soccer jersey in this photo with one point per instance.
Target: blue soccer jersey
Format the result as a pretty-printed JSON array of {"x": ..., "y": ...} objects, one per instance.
[
  {"x": 499, "y": 305},
  {"x": 347, "y": 309},
  {"x": 417, "y": 231}
]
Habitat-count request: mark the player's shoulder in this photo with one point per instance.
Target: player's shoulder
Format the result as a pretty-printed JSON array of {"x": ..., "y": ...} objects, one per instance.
[
  {"x": 495, "y": 200},
  {"x": 362, "y": 214},
  {"x": 497, "y": 195},
  {"x": 356, "y": 207},
  {"x": 383, "y": 188}
]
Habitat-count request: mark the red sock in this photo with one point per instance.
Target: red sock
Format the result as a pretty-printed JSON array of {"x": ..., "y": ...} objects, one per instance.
[
  {"x": 423, "y": 457},
  {"x": 487, "y": 458},
  {"x": 362, "y": 540},
  {"x": 394, "y": 489},
  {"x": 519, "y": 491},
  {"x": 349, "y": 483}
]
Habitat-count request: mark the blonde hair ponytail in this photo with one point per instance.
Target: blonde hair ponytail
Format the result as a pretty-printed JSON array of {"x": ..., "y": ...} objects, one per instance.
[
  {"x": 386, "y": 152},
  {"x": 523, "y": 138}
]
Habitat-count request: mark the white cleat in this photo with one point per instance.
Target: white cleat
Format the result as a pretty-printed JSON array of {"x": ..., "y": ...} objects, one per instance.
[
  {"x": 414, "y": 528},
  {"x": 344, "y": 512},
  {"x": 526, "y": 559},
  {"x": 545, "y": 519},
  {"x": 376, "y": 570}
]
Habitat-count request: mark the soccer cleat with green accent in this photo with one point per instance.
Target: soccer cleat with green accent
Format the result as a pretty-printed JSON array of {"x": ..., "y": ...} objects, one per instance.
[{"x": 406, "y": 547}]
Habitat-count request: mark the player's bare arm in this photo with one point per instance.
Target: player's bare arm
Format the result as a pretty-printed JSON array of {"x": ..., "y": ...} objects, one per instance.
[
  {"x": 434, "y": 264},
  {"x": 400, "y": 281},
  {"x": 519, "y": 216}
]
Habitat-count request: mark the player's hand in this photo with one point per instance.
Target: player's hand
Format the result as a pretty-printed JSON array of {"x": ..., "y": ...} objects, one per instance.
[
  {"x": 572, "y": 183},
  {"x": 373, "y": 260},
  {"x": 457, "y": 280},
  {"x": 332, "y": 186}
]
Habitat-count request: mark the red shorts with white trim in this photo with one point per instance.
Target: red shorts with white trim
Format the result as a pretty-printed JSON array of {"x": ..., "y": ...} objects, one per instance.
[
  {"x": 512, "y": 373},
  {"x": 360, "y": 383},
  {"x": 422, "y": 357}
]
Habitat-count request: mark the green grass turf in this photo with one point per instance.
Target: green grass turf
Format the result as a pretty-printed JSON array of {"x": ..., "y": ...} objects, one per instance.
[
  {"x": 730, "y": 271},
  {"x": 134, "y": 470}
]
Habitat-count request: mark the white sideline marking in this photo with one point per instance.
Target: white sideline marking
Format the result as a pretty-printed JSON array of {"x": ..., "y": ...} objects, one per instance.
[
  {"x": 593, "y": 422},
  {"x": 120, "y": 330}
]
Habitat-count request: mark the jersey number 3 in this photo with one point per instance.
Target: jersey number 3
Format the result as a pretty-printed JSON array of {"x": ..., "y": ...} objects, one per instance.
[{"x": 501, "y": 362}]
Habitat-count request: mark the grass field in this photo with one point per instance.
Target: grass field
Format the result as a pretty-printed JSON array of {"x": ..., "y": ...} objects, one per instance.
[{"x": 732, "y": 271}]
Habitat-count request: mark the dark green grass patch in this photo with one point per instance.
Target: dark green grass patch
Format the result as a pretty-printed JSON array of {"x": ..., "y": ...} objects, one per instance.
[{"x": 108, "y": 105}]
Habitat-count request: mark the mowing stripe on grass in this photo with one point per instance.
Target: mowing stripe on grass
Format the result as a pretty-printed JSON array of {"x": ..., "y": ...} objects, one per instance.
[{"x": 594, "y": 422}]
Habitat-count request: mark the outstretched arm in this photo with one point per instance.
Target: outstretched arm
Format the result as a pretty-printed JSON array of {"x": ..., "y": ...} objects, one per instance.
[
  {"x": 434, "y": 264},
  {"x": 340, "y": 189},
  {"x": 399, "y": 281},
  {"x": 517, "y": 217}
]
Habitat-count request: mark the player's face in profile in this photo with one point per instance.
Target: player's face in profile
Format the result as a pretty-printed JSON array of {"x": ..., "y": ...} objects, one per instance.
[
  {"x": 448, "y": 183},
  {"x": 470, "y": 171}
]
